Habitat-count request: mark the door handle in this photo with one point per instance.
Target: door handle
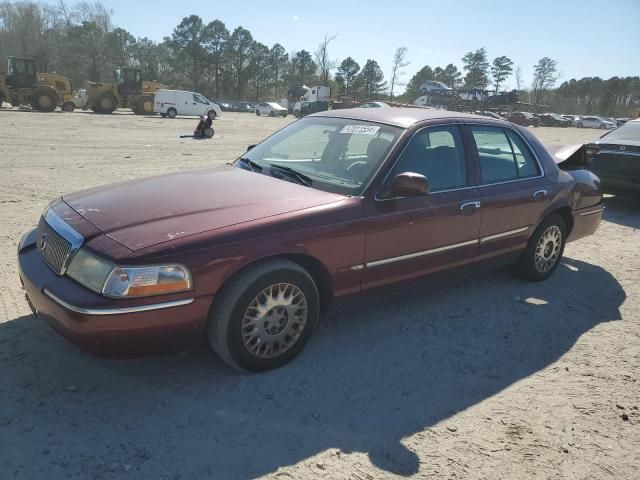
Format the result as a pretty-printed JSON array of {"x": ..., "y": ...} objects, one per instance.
[
  {"x": 539, "y": 195},
  {"x": 468, "y": 208}
]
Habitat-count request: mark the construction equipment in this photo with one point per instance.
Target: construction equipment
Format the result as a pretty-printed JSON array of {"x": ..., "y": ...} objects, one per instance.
[
  {"x": 128, "y": 90},
  {"x": 23, "y": 85}
]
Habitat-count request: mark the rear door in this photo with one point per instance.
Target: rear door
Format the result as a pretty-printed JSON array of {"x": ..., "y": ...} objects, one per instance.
[
  {"x": 409, "y": 237},
  {"x": 514, "y": 191}
]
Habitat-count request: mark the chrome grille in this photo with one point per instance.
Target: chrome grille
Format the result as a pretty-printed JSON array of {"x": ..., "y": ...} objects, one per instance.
[
  {"x": 57, "y": 241},
  {"x": 53, "y": 248}
]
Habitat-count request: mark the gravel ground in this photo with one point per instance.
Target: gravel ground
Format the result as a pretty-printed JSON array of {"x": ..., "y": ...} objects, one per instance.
[{"x": 486, "y": 377}]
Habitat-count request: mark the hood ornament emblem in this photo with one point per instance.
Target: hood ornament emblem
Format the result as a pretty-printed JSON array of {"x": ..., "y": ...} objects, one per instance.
[{"x": 44, "y": 241}]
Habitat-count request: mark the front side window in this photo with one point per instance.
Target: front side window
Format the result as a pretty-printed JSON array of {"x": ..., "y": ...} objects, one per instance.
[
  {"x": 338, "y": 155},
  {"x": 200, "y": 99},
  {"x": 503, "y": 155},
  {"x": 438, "y": 154}
]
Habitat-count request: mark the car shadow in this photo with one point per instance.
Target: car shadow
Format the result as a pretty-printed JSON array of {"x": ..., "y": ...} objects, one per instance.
[
  {"x": 373, "y": 374},
  {"x": 623, "y": 209}
]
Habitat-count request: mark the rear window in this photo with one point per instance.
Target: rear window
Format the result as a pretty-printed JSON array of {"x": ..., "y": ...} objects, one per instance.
[{"x": 628, "y": 131}]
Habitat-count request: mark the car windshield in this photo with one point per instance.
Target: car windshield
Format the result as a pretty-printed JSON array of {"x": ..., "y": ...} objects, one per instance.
[
  {"x": 333, "y": 154},
  {"x": 628, "y": 131}
]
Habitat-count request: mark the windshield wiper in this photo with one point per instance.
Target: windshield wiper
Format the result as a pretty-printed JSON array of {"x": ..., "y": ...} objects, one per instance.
[
  {"x": 301, "y": 177},
  {"x": 253, "y": 166}
]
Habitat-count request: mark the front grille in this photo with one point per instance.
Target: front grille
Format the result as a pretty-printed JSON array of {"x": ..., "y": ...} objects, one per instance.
[{"x": 54, "y": 248}]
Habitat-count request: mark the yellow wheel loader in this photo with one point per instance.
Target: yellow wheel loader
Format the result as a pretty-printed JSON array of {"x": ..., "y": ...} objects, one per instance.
[
  {"x": 128, "y": 90},
  {"x": 23, "y": 85}
]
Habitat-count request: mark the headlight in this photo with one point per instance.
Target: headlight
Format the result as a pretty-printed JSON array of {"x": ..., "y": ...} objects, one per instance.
[
  {"x": 113, "y": 281},
  {"x": 146, "y": 281},
  {"x": 89, "y": 270}
]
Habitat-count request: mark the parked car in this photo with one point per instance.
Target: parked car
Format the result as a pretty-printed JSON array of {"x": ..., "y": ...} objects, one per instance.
[
  {"x": 594, "y": 122},
  {"x": 337, "y": 203},
  {"x": 374, "y": 105},
  {"x": 224, "y": 105},
  {"x": 571, "y": 118},
  {"x": 271, "y": 109},
  {"x": 489, "y": 114},
  {"x": 553, "y": 120},
  {"x": 246, "y": 107},
  {"x": 170, "y": 103},
  {"x": 615, "y": 157},
  {"x": 307, "y": 108},
  {"x": 524, "y": 119},
  {"x": 431, "y": 87}
]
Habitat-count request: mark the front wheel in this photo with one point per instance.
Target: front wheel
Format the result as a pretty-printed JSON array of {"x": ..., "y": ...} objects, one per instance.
[
  {"x": 544, "y": 250},
  {"x": 603, "y": 127},
  {"x": 265, "y": 316},
  {"x": 579, "y": 125}
]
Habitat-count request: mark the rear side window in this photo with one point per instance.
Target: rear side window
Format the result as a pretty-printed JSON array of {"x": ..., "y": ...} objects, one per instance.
[{"x": 503, "y": 155}]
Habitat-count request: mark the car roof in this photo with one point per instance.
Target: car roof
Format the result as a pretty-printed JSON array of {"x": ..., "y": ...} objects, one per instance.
[{"x": 403, "y": 117}]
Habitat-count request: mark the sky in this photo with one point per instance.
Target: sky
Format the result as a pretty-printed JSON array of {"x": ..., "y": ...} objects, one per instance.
[{"x": 586, "y": 37}]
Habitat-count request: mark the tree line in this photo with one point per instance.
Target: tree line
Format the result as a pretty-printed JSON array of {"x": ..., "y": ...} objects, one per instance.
[{"x": 82, "y": 42}]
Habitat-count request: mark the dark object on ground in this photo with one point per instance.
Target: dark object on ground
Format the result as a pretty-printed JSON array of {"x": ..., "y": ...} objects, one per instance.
[{"x": 204, "y": 128}]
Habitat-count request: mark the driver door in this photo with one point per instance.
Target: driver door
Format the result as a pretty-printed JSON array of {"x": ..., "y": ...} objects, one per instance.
[{"x": 414, "y": 236}]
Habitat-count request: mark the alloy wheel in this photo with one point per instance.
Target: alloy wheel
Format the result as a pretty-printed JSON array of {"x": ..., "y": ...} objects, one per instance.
[
  {"x": 274, "y": 320},
  {"x": 548, "y": 249}
]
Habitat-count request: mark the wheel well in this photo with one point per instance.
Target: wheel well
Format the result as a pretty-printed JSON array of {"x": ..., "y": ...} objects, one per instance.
[
  {"x": 320, "y": 275},
  {"x": 315, "y": 267},
  {"x": 565, "y": 214}
]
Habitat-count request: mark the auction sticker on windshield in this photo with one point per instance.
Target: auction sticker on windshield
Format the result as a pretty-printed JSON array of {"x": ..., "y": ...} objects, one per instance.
[{"x": 360, "y": 129}]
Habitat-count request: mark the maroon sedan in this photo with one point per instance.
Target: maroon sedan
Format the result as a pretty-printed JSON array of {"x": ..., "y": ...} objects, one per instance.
[{"x": 334, "y": 204}]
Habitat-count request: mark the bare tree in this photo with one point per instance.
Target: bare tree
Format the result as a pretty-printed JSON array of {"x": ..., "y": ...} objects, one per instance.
[
  {"x": 544, "y": 76},
  {"x": 399, "y": 62},
  {"x": 518, "y": 76},
  {"x": 322, "y": 59}
]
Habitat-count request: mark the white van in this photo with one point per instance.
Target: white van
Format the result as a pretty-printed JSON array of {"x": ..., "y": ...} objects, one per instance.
[{"x": 170, "y": 103}]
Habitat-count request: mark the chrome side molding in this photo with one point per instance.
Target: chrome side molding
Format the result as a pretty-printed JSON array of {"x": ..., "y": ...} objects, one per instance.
[{"x": 117, "y": 311}]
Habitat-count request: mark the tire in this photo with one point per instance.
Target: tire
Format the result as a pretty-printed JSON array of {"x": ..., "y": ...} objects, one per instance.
[
  {"x": 105, "y": 103},
  {"x": 257, "y": 113},
  {"x": 68, "y": 107},
  {"x": 579, "y": 125},
  {"x": 208, "y": 132},
  {"x": 44, "y": 100},
  {"x": 544, "y": 250},
  {"x": 172, "y": 112},
  {"x": 603, "y": 127},
  {"x": 284, "y": 115},
  {"x": 231, "y": 309},
  {"x": 144, "y": 105},
  {"x": 212, "y": 114}
]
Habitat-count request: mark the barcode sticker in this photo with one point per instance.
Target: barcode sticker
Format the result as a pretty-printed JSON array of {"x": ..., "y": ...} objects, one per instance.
[{"x": 360, "y": 129}]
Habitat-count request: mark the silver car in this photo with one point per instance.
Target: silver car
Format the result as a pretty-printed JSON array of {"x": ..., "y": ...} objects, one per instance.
[{"x": 594, "y": 122}]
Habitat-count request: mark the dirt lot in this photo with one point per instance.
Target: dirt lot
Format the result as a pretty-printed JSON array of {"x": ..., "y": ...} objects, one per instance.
[{"x": 488, "y": 377}]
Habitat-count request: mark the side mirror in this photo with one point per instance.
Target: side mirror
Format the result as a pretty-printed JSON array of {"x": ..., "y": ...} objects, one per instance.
[
  {"x": 409, "y": 184},
  {"x": 250, "y": 147}
]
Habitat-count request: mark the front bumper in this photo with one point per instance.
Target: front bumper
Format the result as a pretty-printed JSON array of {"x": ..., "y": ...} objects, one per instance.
[{"x": 106, "y": 326}]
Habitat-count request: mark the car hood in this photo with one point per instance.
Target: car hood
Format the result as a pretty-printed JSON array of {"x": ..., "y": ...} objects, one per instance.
[{"x": 149, "y": 211}]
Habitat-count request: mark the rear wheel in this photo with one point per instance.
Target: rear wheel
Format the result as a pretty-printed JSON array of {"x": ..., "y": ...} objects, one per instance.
[
  {"x": 258, "y": 113},
  {"x": 172, "y": 112},
  {"x": 208, "y": 132},
  {"x": 144, "y": 105},
  {"x": 265, "y": 316},
  {"x": 105, "y": 103},
  {"x": 579, "y": 125},
  {"x": 544, "y": 250},
  {"x": 603, "y": 126},
  {"x": 44, "y": 100},
  {"x": 68, "y": 107}
]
